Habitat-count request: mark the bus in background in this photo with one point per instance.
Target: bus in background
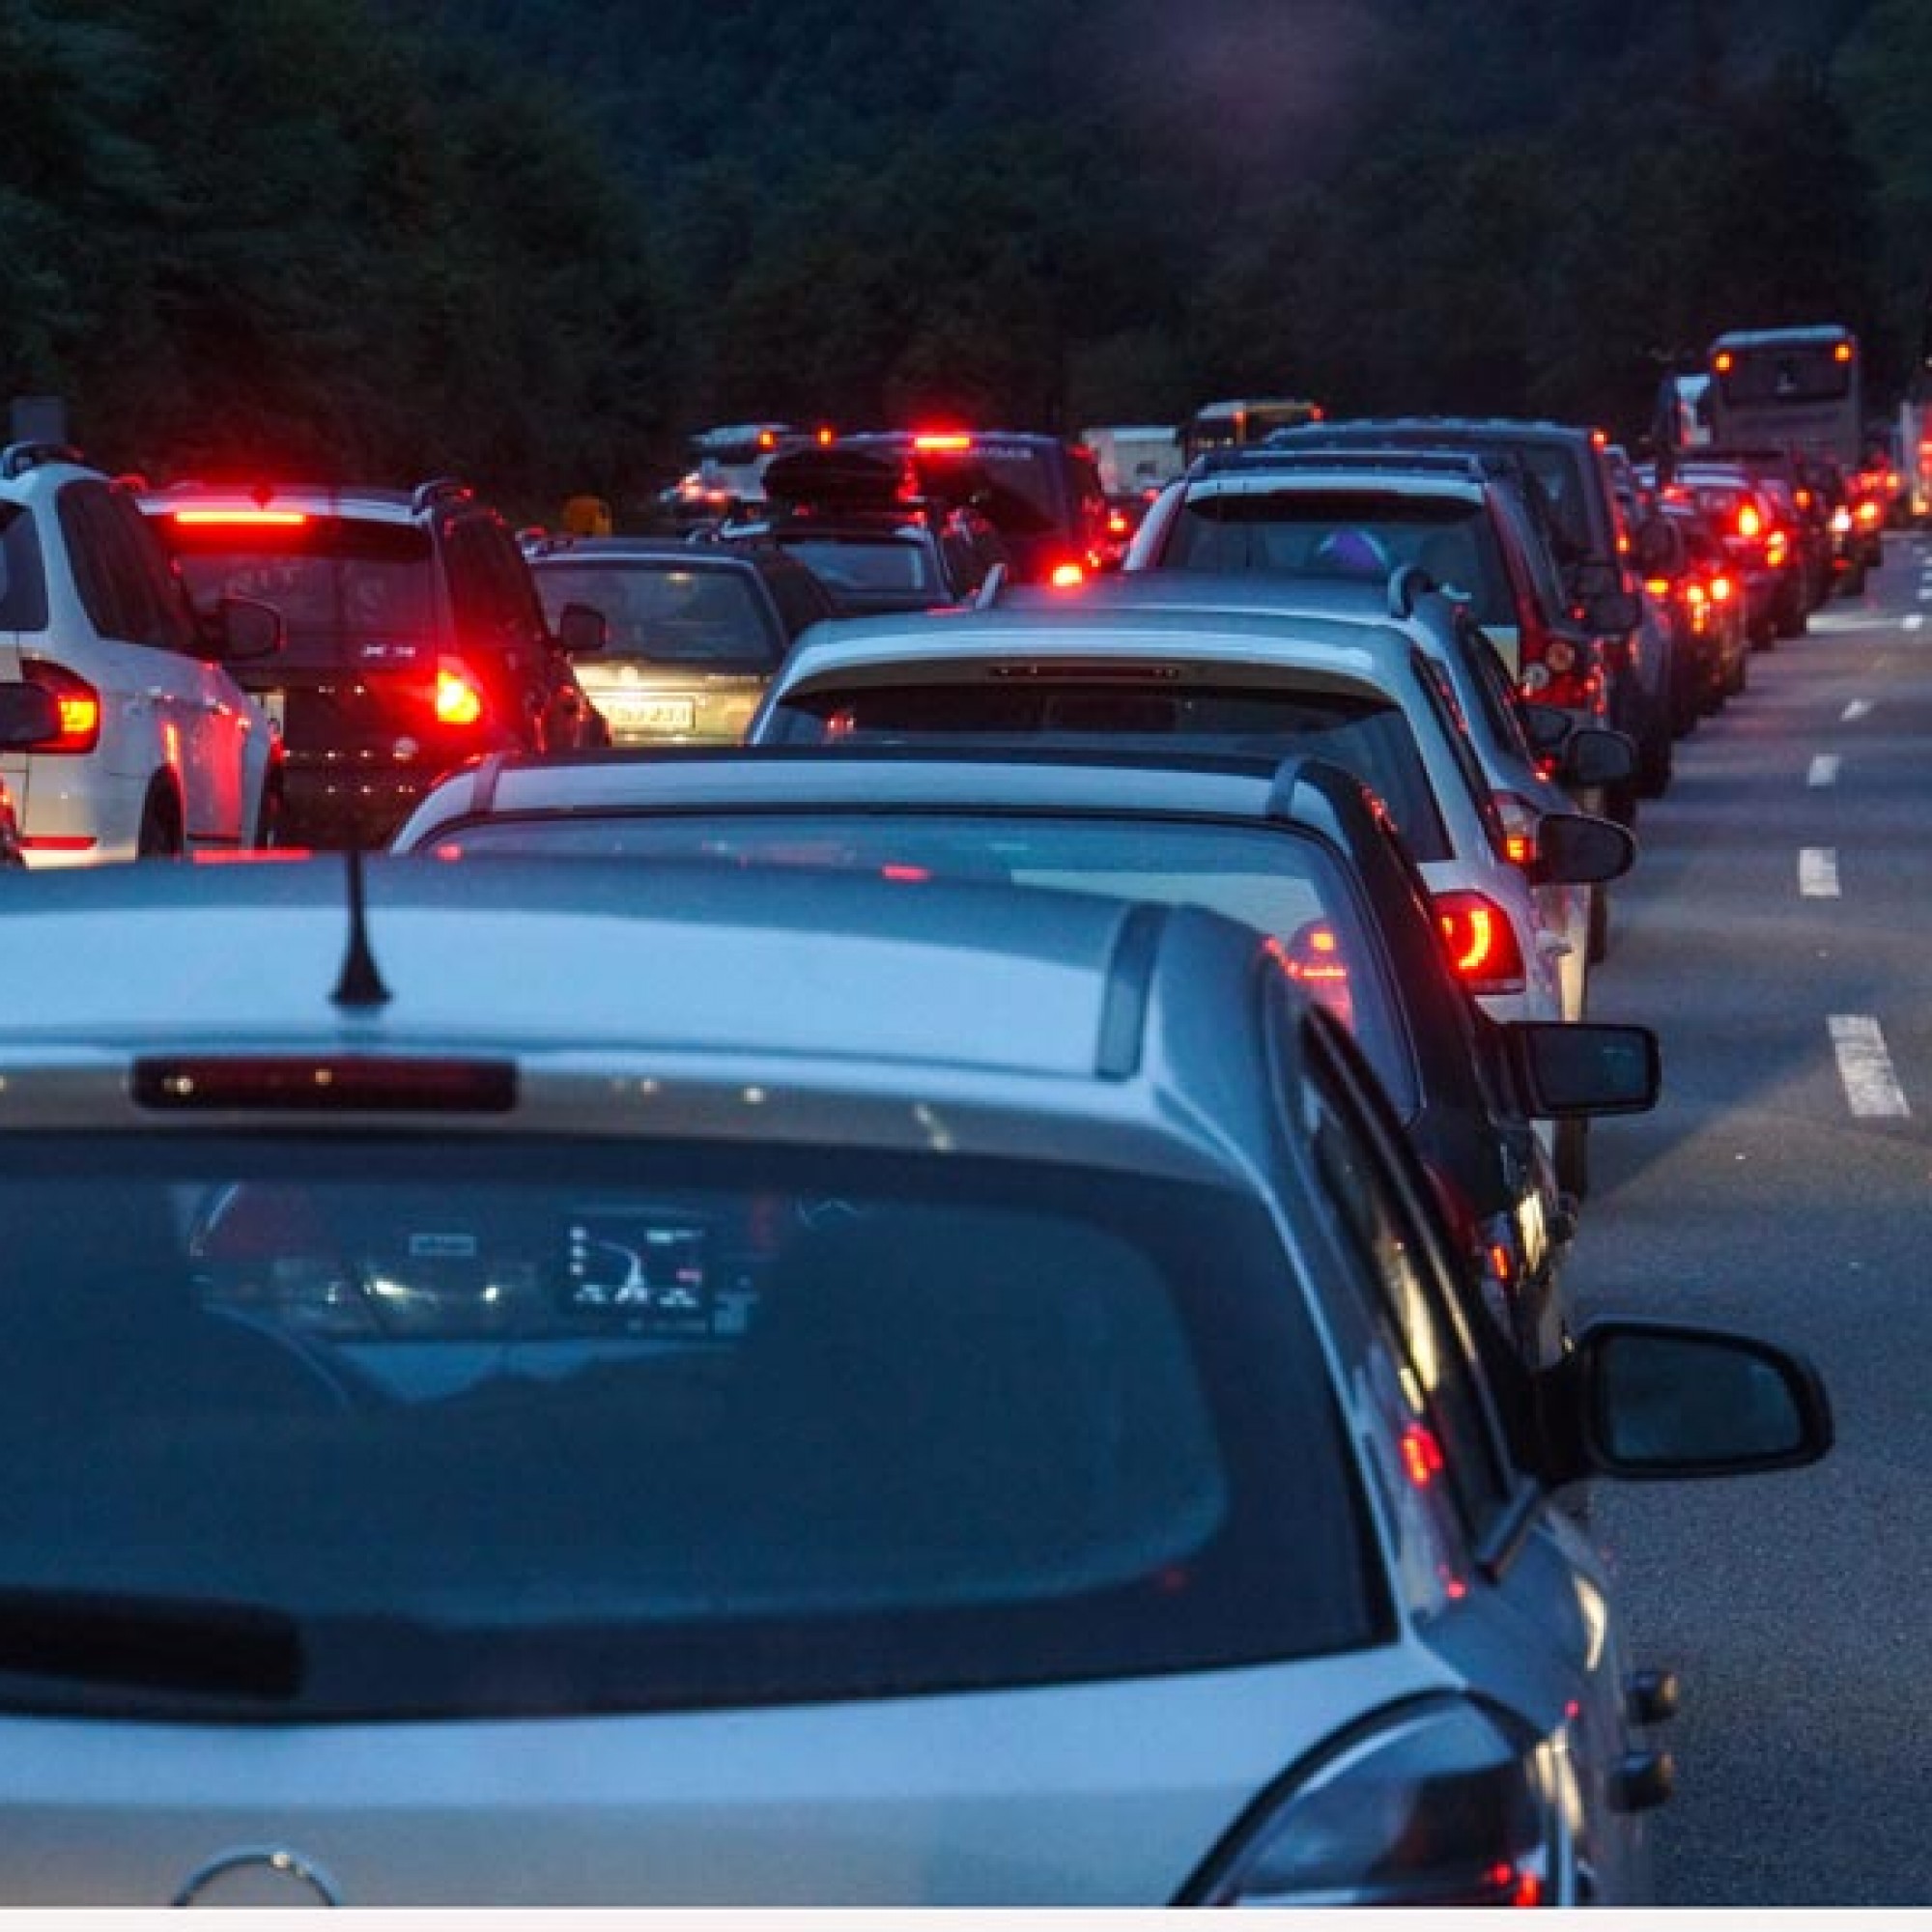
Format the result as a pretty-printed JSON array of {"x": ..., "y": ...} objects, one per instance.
[
  {"x": 1789, "y": 389},
  {"x": 1246, "y": 419}
]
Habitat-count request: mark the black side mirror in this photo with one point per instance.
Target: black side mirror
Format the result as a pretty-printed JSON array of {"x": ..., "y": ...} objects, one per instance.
[
  {"x": 1548, "y": 728},
  {"x": 1655, "y": 1400},
  {"x": 1591, "y": 757},
  {"x": 1576, "y": 848},
  {"x": 581, "y": 631},
  {"x": 1569, "y": 1070},
  {"x": 246, "y": 630},
  {"x": 28, "y": 714},
  {"x": 1615, "y": 610}
]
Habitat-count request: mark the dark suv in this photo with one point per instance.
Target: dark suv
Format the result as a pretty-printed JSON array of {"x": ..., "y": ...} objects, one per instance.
[
  {"x": 414, "y": 639},
  {"x": 1043, "y": 495}
]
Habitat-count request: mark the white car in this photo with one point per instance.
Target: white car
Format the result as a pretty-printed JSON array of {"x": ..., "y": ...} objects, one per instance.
[
  {"x": 890, "y": 1393},
  {"x": 158, "y": 751}
]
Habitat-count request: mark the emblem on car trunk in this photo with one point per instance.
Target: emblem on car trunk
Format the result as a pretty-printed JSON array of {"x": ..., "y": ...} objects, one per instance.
[{"x": 266, "y": 1875}]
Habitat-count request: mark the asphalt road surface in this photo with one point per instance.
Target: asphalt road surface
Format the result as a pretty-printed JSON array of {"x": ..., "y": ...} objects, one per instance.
[{"x": 1777, "y": 934}]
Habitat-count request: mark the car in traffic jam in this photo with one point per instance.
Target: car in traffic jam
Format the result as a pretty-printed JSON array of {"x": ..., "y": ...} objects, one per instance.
[{"x": 775, "y": 1139}]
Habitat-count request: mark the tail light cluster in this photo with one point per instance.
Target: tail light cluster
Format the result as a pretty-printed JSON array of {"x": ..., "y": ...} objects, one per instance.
[
  {"x": 1563, "y": 673},
  {"x": 459, "y": 696},
  {"x": 1443, "y": 1803},
  {"x": 80, "y": 707},
  {"x": 1482, "y": 943}
]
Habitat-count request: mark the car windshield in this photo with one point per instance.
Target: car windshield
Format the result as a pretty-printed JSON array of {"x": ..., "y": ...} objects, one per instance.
[
  {"x": 1330, "y": 534},
  {"x": 1281, "y": 882},
  {"x": 1137, "y": 709},
  {"x": 342, "y": 585},
  {"x": 668, "y": 613},
  {"x": 1012, "y": 484},
  {"x": 480, "y": 1424}
]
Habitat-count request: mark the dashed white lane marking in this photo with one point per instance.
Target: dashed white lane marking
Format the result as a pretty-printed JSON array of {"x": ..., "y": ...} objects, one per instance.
[
  {"x": 1915, "y": 622},
  {"x": 1824, "y": 771},
  {"x": 1859, "y": 708},
  {"x": 1865, "y": 1069},
  {"x": 1818, "y": 872}
]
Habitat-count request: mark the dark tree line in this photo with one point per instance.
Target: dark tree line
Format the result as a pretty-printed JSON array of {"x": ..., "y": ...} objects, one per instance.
[{"x": 536, "y": 244}]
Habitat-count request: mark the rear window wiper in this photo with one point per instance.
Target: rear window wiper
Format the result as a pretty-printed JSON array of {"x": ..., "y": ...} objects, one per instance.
[{"x": 157, "y": 1643}]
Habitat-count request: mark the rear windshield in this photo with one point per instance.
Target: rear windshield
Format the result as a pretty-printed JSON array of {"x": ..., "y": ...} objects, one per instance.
[
  {"x": 350, "y": 591},
  {"x": 854, "y": 568},
  {"x": 1283, "y": 884},
  {"x": 1345, "y": 534},
  {"x": 1013, "y": 485},
  {"x": 23, "y": 584},
  {"x": 331, "y": 1427},
  {"x": 1373, "y": 741},
  {"x": 1810, "y": 372},
  {"x": 667, "y": 613}
]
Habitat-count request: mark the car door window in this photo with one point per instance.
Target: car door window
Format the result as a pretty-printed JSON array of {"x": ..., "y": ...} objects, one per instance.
[{"x": 1402, "y": 1272}]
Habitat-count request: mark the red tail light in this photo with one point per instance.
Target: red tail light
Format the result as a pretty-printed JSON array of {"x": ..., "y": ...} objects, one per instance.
[
  {"x": 1067, "y": 576},
  {"x": 80, "y": 707},
  {"x": 1481, "y": 942},
  {"x": 459, "y": 698},
  {"x": 1721, "y": 591},
  {"x": 1749, "y": 523},
  {"x": 942, "y": 440},
  {"x": 1657, "y": 586}
]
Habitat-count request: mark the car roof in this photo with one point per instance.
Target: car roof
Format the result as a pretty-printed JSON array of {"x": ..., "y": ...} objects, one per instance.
[
  {"x": 372, "y": 503},
  {"x": 1445, "y": 475},
  {"x": 641, "y": 550},
  {"x": 1347, "y": 652},
  {"x": 996, "y": 778},
  {"x": 698, "y": 959},
  {"x": 1512, "y": 428},
  {"x": 1408, "y": 596}
]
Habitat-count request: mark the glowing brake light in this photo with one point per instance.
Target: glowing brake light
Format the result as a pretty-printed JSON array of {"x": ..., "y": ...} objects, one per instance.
[
  {"x": 1724, "y": 363},
  {"x": 1481, "y": 942},
  {"x": 1841, "y": 351},
  {"x": 937, "y": 441},
  {"x": 457, "y": 701},
  {"x": 278, "y": 519},
  {"x": 1657, "y": 586},
  {"x": 1422, "y": 1457},
  {"x": 1721, "y": 590},
  {"x": 1066, "y": 577},
  {"x": 75, "y": 698},
  {"x": 1749, "y": 523}
]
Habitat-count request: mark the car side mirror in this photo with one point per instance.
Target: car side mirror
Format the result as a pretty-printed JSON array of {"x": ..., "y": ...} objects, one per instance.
[
  {"x": 1656, "y": 1400},
  {"x": 1611, "y": 611},
  {"x": 1570, "y": 1069},
  {"x": 28, "y": 714},
  {"x": 581, "y": 631},
  {"x": 1546, "y": 727},
  {"x": 1577, "y": 848},
  {"x": 1591, "y": 757},
  {"x": 247, "y": 630}
]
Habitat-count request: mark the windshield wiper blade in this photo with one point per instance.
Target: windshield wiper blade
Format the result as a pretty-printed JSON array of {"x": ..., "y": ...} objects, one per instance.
[{"x": 189, "y": 1644}]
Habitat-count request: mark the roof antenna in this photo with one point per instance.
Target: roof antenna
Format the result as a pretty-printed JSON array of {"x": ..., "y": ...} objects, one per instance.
[{"x": 360, "y": 983}]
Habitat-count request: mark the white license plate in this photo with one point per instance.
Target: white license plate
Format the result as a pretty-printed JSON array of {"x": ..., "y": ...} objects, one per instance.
[{"x": 652, "y": 713}]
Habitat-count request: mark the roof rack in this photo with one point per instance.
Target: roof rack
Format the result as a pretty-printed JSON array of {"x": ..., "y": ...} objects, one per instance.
[
  {"x": 18, "y": 457},
  {"x": 435, "y": 490}
]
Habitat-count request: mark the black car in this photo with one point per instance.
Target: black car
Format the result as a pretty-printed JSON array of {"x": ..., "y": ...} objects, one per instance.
[
  {"x": 860, "y": 522},
  {"x": 1297, "y": 849},
  {"x": 414, "y": 639},
  {"x": 1041, "y": 494}
]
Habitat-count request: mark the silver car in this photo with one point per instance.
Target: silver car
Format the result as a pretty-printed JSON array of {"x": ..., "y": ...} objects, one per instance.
[{"x": 552, "y": 1384}]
